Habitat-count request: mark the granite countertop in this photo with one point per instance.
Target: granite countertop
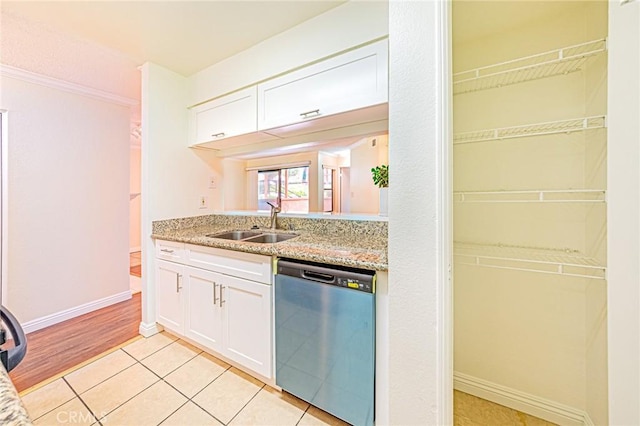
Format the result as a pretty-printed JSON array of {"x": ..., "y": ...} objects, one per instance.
[
  {"x": 346, "y": 243},
  {"x": 12, "y": 412}
]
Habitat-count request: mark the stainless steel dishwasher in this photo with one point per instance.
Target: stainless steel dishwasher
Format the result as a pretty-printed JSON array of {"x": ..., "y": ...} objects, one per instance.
[{"x": 325, "y": 337}]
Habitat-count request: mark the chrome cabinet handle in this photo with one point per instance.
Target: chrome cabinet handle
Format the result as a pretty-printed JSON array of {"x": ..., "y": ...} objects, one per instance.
[
  {"x": 311, "y": 113},
  {"x": 221, "y": 301},
  {"x": 215, "y": 297},
  {"x": 178, "y": 287},
  {"x": 166, "y": 251},
  {"x": 218, "y": 135}
]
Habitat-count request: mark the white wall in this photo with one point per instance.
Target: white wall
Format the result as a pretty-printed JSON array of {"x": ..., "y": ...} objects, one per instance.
[
  {"x": 68, "y": 199},
  {"x": 341, "y": 28},
  {"x": 173, "y": 176},
  {"x": 68, "y": 171},
  {"x": 623, "y": 213},
  {"x": 135, "y": 163},
  {"x": 365, "y": 195},
  {"x": 234, "y": 184},
  {"x": 418, "y": 379}
]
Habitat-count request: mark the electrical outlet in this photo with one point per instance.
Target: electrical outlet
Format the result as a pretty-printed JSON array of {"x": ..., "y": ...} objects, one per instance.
[
  {"x": 212, "y": 182},
  {"x": 204, "y": 202}
]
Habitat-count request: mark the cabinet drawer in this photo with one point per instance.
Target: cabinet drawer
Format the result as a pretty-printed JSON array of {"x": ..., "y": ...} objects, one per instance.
[
  {"x": 170, "y": 250},
  {"x": 350, "y": 81},
  {"x": 249, "y": 266}
]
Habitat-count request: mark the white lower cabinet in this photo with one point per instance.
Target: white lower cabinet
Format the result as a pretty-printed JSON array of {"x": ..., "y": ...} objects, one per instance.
[
  {"x": 203, "y": 314},
  {"x": 246, "y": 332},
  {"x": 224, "y": 313},
  {"x": 169, "y": 295}
]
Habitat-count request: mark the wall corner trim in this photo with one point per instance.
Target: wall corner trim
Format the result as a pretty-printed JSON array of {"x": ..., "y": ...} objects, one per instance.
[
  {"x": 55, "y": 318},
  {"x": 148, "y": 330},
  {"x": 66, "y": 86},
  {"x": 527, "y": 403}
]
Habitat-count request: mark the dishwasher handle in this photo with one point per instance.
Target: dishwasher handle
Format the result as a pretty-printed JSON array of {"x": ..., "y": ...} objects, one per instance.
[{"x": 318, "y": 276}]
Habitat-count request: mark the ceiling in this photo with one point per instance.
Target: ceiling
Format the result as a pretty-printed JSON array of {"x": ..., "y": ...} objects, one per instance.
[{"x": 184, "y": 36}]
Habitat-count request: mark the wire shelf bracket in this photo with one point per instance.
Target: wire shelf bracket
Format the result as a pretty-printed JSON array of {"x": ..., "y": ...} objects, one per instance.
[
  {"x": 538, "y": 129},
  {"x": 548, "y": 64},
  {"x": 546, "y": 261}
]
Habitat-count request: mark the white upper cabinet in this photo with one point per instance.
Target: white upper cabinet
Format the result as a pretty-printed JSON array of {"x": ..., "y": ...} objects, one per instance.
[
  {"x": 351, "y": 81},
  {"x": 225, "y": 117}
]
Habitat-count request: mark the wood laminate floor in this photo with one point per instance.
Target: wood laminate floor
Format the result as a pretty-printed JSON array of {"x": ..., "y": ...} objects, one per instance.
[
  {"x": 55, "y": 349},
  {"x": 135, "y": 264}
]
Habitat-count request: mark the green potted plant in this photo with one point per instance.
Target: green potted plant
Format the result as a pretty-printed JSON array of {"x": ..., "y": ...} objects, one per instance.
[{"x": 380, "y": 175}]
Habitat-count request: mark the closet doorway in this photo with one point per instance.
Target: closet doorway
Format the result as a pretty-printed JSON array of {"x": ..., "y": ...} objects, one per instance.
[{"x": 530, "y": 224}]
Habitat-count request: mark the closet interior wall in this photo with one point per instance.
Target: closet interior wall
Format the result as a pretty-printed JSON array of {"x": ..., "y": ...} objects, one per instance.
[{"x": 534, "y": 324}]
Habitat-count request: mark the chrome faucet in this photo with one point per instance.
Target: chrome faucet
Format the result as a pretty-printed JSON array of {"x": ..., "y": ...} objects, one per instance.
[{"x": 275, "y": 209}]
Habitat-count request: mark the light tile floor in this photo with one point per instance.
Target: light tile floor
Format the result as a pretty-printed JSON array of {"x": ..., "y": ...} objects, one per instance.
[{"x": 164, "y": 380}]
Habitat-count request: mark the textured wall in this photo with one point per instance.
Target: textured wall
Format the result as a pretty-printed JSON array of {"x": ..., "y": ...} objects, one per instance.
[
  {"x": 68, "y": 199},
  {"x": 31, "y": 46},
  {"x": 623, "y": 213},
  {"x": 417, "y": 388}
]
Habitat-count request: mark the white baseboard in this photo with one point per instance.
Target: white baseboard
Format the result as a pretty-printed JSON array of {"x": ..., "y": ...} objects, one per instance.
[
  {"x": 148, "y": 330},
  {"x": 530, "y": 404},
  {"x": 48, "y": 320},
  {"x": 134, "y": 249}
]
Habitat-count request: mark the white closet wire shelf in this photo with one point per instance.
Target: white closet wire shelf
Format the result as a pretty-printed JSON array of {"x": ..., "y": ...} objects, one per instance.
[
  {"x": 565, "y": 262},
  {"x": 532, "y": 196},
  {"x": 538, "y": 129},
  {"x": 548, "y": 64}
]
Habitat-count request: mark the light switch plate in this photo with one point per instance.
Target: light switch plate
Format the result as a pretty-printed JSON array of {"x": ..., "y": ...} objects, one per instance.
[{"x": 204, "y": 202}]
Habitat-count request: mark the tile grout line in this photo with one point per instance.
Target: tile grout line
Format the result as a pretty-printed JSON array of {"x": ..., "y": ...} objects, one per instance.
[
  {"x": 177, "y": 390},
  {"x": 157, "y": 350},
  {"x": 83, "y": 402},
  {"x": 175, "y": 411},
  {"x": 102, "y": 381},
  {"x": 305, "y": 412},
  {"x": 200, "y": 391},
  {"x": 120, "y": 405},
  {"x": 248, "y": 402},
  {"x": 54, "y": 408}
]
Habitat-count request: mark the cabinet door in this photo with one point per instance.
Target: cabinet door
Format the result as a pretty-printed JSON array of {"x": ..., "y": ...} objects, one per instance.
[
  {"x": 169, "y": 295},
  {"x": 350, "y": 81},
  {"x": 246, "y": 311},
  {"x": 203, "y": 319},
  {"x": 230, "y": 115}
]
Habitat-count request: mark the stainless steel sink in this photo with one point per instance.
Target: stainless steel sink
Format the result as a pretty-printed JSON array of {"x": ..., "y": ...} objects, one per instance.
[
  {"x": 235, "y": 235},
  {"x": 270, "y": 238},
  {"x": 252, "y": 236}
]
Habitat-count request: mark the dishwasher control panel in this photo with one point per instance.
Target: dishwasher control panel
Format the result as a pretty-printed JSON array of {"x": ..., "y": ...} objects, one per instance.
[
  {"x": 339, "y": 276},
  {"x": 357, "y": 284}
]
